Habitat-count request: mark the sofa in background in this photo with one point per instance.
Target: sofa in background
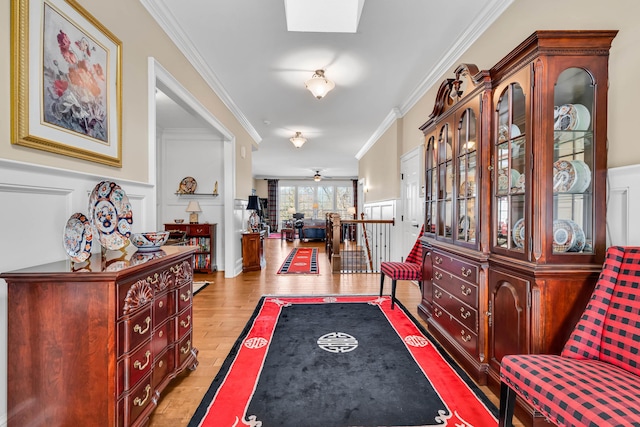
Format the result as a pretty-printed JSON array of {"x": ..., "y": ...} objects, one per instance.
[{"x": 313, "y": 229}]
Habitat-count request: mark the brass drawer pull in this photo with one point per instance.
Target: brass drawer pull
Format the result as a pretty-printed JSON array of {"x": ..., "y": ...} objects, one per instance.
[
  {"x": 465, "y": 291},
  {"x": 187, "y": 323},
  {"x": 464, "y": 314},
  {"x": 161, "y": 363},
  {"x": 185, "y": 350},
  {"x": 139, "y": 402},
  {"x": 465, "y": 338},
  {"x": 438, "y": 275},
  {"x": 466, "y": 272},
  {"x": 161, "y": 304},
  {"x": 437, "y": 313},
  {"x": 138, "y": 365},
  {"x": 139, "y": 329},
  {"x": 186, "y": 297},
  {"x": 437, "y": 294},
  {"x": 438, "y": 260}
]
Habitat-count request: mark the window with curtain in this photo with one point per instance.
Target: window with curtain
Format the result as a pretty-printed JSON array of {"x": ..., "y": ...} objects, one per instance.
[
  {"x": 344, "y": 200},
  {"x": 314, "y": 200},
  {"x": 286, "y": 200}
]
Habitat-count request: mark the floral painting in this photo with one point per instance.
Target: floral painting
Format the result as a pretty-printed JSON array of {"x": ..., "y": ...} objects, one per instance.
[
  {"x": 74, "y": 80},
  {"x": 67, "y": 81}
]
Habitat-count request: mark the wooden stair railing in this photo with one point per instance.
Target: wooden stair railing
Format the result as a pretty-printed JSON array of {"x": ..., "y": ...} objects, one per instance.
[
  {"x": 357, "y": 246},
  {"x": 366, "y": 242}
]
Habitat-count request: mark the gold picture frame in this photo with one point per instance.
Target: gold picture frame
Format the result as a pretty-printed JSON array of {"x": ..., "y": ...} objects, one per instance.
[{"x": 66, "y": 82}]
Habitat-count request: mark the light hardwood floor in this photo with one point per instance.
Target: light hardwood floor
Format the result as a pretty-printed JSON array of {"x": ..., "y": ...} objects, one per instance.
[{"x": 221, "y": 310}]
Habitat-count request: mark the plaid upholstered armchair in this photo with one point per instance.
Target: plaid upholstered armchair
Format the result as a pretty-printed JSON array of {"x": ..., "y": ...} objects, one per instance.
[
  {"x": 595, "y": 380},
  {"x": 410, "y": 269}
]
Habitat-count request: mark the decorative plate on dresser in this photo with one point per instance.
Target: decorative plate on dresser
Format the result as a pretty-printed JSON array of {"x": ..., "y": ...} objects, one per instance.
[
  {"x": 111, "y": 215},
  {"x": 78, "y": 237}
]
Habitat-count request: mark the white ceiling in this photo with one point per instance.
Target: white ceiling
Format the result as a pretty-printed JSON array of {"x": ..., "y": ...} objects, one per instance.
[{"x": 243, "y": 50}]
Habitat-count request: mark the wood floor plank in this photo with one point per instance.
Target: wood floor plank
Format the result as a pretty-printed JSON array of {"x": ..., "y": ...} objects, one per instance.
[{"x": 221, "y": 311}]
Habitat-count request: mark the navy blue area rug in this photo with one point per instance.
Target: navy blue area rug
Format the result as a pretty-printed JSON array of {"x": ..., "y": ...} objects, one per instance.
[{"x": 339, "y": 361}]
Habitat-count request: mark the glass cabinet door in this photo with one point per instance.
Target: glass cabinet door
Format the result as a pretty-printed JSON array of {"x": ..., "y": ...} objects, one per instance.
[
  {"x": 573, "y": 162},
  {"x": 445, "y": 183},
  {"x": 509, "y": 170},
  {"x": 467, "y": 164},
  {"x": 431, "y": 189}
]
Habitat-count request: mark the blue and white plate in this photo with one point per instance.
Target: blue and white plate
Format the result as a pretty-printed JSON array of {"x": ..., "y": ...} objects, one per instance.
[
  {"x": 111, "y": 215},
  {"x": 78, "y": 237}
]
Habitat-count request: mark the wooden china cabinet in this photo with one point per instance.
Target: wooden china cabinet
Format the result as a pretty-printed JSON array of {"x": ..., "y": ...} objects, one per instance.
[
  {"x": 516, "y": 229},
  {"x": 456, "y": 245}
]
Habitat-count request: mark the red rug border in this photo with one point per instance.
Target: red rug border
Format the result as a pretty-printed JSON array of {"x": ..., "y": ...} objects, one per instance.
[{"x": 199, "y": 418}]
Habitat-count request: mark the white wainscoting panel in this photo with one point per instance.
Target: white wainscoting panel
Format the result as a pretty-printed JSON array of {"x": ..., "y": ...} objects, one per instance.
[
  {"x": 386, "y": 209},
  {"x": 35, "y": 204},
  {"x": 623, "y": 204}
]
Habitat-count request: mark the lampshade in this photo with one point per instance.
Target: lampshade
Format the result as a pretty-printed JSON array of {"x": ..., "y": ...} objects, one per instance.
[
  {"x": 193, "y": 206},
  {"x": 291, "y": 210},
  {"x": 253, "y": 204},
  {"x": 315, "y": 206},
  {"x": 298, "y": 140},
  {"x": 319, "y": 85},
  {"x": 351, "y": 210}
]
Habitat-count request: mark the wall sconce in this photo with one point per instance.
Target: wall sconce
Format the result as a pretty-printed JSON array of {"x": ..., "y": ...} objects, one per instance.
[
  {"x": 193, "y": 208},
  {"x": 319, "y": 85},
  {"x": 298, "y": 140}
]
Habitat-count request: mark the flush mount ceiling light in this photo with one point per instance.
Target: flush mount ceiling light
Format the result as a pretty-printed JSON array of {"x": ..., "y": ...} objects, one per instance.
[
  {"x": 319, "y": 85},
  {"x": 298, "y": 140},
  {"x": 317, "y": 176},
  {"x": 326, "y": 16}
]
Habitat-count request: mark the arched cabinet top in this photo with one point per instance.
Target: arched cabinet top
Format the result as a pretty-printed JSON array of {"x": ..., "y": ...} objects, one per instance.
[{"x": 466, "y": 79}]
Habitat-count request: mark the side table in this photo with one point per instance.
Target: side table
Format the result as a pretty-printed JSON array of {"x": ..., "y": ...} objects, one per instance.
[{"x": 287, "y": 233}]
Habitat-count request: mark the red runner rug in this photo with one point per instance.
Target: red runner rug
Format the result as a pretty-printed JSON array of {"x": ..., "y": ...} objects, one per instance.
[
  {"x": 371, "y": 365},
  {"x": 301, "y": 261}
]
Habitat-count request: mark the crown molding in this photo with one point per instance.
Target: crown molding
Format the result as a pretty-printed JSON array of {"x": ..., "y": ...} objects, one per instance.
[
  {"x": 457, "y": 49},
  {"x": 482, "y": 22},
  {"x": 161, "y": 15},
  {"x": 393, "y": 115}
]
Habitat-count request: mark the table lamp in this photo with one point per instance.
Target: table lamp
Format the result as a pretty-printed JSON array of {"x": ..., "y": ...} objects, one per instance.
[
  {"x": 193, "y": 208},
  {"x": 351, "y": 211},
  {"x": 253, "y": 205}
]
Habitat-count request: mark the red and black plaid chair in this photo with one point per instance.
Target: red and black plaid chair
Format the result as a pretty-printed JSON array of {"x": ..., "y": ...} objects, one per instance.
[
  {"x": 410, "y": 269},
  {"x": 594, "y": 381}
]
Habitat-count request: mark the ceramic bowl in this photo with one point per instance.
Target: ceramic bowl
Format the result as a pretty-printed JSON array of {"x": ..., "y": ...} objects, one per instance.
[
  {"x": 178, "y": 221},
  {"x": 571, "y": 176},
  {"x": 149, "y": 241},
  {"x": 571, "y": 117},
  {"x": 568, "y": 236},
  {"x": 504, "y": 134},
  {"x": 518, "y": 233}
]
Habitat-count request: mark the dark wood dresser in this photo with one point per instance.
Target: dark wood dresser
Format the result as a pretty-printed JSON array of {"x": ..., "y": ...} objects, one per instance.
[{"x": 96, "y": 343}]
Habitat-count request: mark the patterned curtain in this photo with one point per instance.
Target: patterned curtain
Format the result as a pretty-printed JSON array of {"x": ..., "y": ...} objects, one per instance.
[
  {"x": 272, "y": 214},
  {"x": 355, "y": 196}
]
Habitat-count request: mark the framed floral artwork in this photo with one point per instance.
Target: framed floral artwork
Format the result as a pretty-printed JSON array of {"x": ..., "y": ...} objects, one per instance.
[{"x": 66, "y": 82}]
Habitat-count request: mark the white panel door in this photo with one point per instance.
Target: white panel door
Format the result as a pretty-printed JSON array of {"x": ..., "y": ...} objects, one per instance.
[{"x": 411, "y": 202}]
